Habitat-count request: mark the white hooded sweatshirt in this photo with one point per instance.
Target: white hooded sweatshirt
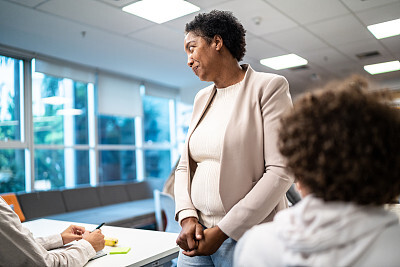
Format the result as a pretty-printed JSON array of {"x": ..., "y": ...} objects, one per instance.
[{"x": 318, "y": 233}]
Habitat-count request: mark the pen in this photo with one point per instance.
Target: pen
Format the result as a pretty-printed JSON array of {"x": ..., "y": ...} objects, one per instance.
[{"x": 98, "y": 227}]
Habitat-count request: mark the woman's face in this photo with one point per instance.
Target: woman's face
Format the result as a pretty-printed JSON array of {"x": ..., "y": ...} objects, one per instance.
[{"x": 201, "y": 57}]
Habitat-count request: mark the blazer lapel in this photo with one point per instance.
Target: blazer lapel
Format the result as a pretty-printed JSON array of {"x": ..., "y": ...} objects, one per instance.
[{"x": 202, "y": 105}]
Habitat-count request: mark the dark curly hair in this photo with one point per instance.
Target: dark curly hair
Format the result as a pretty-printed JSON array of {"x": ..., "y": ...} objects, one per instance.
[
  {"x": 224, "y": 24},
  {"x": 342, "y": 143}
]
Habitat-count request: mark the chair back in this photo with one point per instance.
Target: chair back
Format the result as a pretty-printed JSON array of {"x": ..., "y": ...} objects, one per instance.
[
  {"x": 165, "y": 204},
  {"x": 12, "y": 200},
  {"x": 292, "y": 195}
]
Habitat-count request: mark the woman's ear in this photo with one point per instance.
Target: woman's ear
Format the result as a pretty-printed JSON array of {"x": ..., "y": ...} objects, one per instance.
[{"x": 218, "y": 42}]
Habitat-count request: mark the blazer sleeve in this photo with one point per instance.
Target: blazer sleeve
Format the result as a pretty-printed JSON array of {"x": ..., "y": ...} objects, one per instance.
[{"x": 270, "y": 189}]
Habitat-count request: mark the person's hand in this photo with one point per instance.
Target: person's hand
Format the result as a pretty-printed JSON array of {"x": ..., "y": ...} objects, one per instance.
[
  {"x": 73, "y": 232},
  {"x": 213, "y": 239},
  {"x": 95, "y": 238},
  {"x": 190, "y": 234}
]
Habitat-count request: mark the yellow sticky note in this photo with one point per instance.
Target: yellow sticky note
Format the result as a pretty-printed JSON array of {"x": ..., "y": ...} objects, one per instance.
[{"x": 120, "y": 250}]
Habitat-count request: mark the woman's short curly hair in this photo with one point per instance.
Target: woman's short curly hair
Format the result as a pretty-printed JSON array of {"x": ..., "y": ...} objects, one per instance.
[
  {"x": 342, "y": 143},
  {"x": 224, "y": 24}
]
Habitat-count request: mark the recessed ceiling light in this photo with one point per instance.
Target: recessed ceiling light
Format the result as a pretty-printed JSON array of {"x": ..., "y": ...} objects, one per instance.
[
  {"x": 385, "y": 29},
  {"x": 284, "y": 62},
  {"x": 383, "y": 67},
  {"x": 160, "y": 11}
]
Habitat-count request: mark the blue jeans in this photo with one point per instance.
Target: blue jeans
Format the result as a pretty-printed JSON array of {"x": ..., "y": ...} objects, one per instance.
[{"x": 223, "y": 257}]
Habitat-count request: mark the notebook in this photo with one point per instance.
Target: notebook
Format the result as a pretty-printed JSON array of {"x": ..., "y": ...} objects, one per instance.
[{"x": 99, "y": 254}]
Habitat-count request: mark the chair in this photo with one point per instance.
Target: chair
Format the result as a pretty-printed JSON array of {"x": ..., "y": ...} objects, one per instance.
[
  {"x": 292, "y": 195},
  {"x": 12, "y": 200},
  {"x": 165, "y": 204}
]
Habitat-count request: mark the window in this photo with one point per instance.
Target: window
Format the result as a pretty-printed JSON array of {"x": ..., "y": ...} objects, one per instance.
[
  {"x": 11, "y": 84},
  {"x": 12, "y": 143},
  {"x": 59, "y": 110},
  {"x": 12, "y": 170},
  {"x": 116, "y": 130},
  {"x": 117, "y": 162},
  {"x": 61, "y": 131},
  {"x": 158, "y": 163},
  {"x": 156, "y": 119},
  {"x": 132, "y": 136},
  {"x": 117, "y": 165},
  {"x": 157, "y": 135},
  {"x": 183, "y": 116}
]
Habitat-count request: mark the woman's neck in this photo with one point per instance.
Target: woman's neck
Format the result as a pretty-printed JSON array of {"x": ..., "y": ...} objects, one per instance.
[{"x": 230, "y": 75}]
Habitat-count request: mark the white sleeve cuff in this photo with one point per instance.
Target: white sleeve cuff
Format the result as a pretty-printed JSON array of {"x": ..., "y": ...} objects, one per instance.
[{"x": 183, "y": 214}]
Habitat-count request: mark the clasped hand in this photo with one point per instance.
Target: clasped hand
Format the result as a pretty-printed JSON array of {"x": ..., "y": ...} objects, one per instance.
[{"x": 195, "y": 241}]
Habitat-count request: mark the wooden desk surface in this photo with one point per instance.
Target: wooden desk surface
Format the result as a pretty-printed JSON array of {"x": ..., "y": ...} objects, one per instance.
[{"x": 146, "y": 246}]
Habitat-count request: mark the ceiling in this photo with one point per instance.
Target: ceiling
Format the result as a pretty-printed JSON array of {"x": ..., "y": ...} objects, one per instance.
[{"x": 97, "y": 33}]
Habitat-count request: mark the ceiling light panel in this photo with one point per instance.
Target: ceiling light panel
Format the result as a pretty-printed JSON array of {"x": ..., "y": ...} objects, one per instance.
[
  {"x": 385, "y": 29},
  {"x": 160, "y": 11},
  {"x": 284, "y": 62},
  {"x": 383, "y": 67}
]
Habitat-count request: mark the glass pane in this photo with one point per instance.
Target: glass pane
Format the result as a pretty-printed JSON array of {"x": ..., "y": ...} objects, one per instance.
[
  {"x": 59, "y": 110},
  {"x": 156, "y": 119},
  {"x": 61, "y": 168},
  {"x": 117, "y": 166},
  {"x": 12, "y": 170},
  {"x": 158, "y": 163},
  {"x": 81, "y": 121},
  {"x": 82, "y": 175},
  {"x": 11, "y": 79},
  {"x": 49, "y": 169},
  {"x": 183, "y": 116},
  {"x": 116, "y": 130}
]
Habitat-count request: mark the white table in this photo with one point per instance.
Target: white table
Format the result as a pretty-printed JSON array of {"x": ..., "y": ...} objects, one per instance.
[{"x": 148, "y": 248}]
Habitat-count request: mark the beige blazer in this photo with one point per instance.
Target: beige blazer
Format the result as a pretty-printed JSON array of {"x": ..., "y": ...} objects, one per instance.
[{"x": 253, "y": 179}]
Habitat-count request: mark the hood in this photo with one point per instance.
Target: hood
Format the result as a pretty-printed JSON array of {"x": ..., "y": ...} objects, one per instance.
[{"x": 318, "y": 233}]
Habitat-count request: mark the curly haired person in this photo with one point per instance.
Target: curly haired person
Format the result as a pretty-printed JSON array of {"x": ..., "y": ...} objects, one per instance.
[{"x": 342, "y": 145}]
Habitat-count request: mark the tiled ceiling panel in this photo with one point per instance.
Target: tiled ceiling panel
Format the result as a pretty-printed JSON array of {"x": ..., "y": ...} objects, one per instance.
[
  {"x": 179, "y": 23},
  {"x": 258, "y": 17},
  {"x": 342, "y": 30},
  {"x": 161, "y": 36},
  {"x": 96, "y": 14},
  {"x": 393, "y": 44},
  {"x": 118, "y": 3},
  {"x": 380, "y": 14},
  {"x": 30, "y": 3},
  {"x": 296, "y": 40},
  {"x": 308, "y": 11},
  {"x": 362, "y": 47},
  {"x": 259, "y": 49},
  {"x": 327, "y": 57},
  {"x": 358, "y": 5},
  {"x": 207, "y": 4}
]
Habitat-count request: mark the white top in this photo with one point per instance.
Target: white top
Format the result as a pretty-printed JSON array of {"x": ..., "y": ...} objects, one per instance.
[
  {"x": 205, "y": 148},
  {"x": 18, "y": 247},
  {"x": 317, "y": 233}
]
